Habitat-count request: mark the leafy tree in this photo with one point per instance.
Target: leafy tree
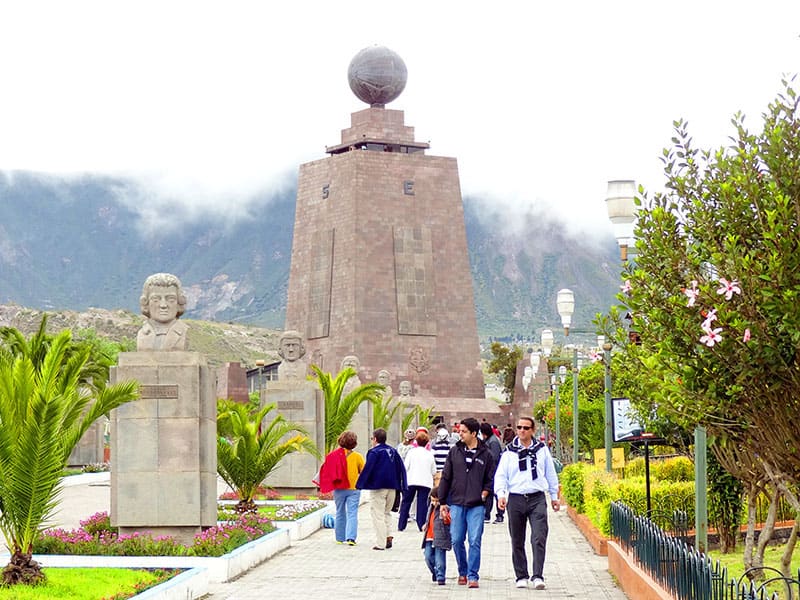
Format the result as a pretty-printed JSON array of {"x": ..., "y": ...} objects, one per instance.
[
  {"x": 339, "y": 411},
  {"x": 254, "y": 448},
  {"x": 505, "y": 364},
  {"x": 715, "y": 287},
  {"x": 45, "y": 408}
]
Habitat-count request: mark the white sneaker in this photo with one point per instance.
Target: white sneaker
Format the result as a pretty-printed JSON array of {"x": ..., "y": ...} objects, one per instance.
[
  {"x": 538, "y": 583},
  {"x": 522, "y": 583}
]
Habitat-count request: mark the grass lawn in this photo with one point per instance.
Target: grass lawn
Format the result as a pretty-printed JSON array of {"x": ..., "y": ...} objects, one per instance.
[
  {"x": 88, "y": 584},
  {"x": 772, "y": 558}
]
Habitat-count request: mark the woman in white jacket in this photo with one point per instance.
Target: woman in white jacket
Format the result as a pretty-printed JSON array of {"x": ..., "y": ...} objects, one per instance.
[{"x": 420, "y": 468}]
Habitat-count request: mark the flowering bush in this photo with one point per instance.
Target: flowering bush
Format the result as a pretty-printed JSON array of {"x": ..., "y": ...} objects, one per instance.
[
  {"x": 222, "y": 539},
  {"x": 97, "y": 537},
  {"x": 262, "y": 493},
  {"x": 101, "y": 467},
  {"x": 297, "y": 510}
]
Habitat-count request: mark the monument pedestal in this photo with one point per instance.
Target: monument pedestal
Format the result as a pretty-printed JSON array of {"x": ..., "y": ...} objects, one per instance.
[
  {"x": 300, "y": 402},
  {"x": 163, "y": 446}
]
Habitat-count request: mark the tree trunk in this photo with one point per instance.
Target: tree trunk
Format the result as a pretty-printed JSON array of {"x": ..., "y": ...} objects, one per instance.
[
  {"x": 786, "y": 558},
  {"x": 22, "y": 569},
  {"x": 750, "y": 536},
  {"x": 766, "y": 532}
]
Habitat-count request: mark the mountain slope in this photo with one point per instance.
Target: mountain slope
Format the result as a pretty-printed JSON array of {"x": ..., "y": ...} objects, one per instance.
[{"x": 91, "y": 241}]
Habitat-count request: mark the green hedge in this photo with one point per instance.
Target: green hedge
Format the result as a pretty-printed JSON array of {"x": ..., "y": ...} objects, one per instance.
[
  {"x": 590, "y": 490},
  {"x": 678, "y": 468},
  {"x": 572, "y": 485}
]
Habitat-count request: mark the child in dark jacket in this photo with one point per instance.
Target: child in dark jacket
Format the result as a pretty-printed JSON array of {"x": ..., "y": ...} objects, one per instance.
[{"x": 436, "y": 540}]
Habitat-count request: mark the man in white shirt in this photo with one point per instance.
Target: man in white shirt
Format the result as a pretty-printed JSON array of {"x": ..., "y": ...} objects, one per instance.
[{"x": 525, "y": 472}]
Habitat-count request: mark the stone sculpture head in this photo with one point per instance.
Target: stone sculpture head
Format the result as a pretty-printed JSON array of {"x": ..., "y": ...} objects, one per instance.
[
  {"x": 351, "y": 361},
  {"x": 162, "y": 298},
  {"x": 291, "y": 346},
  {"x": 384, "y": 377},
  {"x": 405, "y": 388}
]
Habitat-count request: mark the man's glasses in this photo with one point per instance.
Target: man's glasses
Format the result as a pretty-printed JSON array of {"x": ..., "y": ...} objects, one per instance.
[{"x": 525, "y": 427}]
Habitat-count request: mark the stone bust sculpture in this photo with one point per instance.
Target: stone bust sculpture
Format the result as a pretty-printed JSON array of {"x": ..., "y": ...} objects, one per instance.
[
  {"x": 162, "y": 302},
  {"x": 291, "y": 349},
  {"x": 405, "y": 388},
  {"x": 384, "y": 377},
  {"x": 355, "y": 381}
]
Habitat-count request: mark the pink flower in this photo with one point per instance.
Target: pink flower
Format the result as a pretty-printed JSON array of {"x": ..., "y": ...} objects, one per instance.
[
  {"x": 710, "y": 318},
  {"x": 729, "y": 288},
  {"x": 746, "y": 336},
  {"x": 711, "y": 337},
  {"x": 626, "y": 287},
  {"x": 692, "y": 293}
]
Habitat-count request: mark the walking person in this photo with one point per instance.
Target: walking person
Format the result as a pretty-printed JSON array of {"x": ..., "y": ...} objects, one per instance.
[
  {"x": 420, "y": 468},
  {"x": 440, "y": 449},
  {"x": 491, "y": 441},
  {"x": 436, "y": 540},
  {"x": 339, "y": 473},
  {"x": 526, "y": 471},
  {"x": 385, "y": 474},
  {"x": 466, "y": 483}
]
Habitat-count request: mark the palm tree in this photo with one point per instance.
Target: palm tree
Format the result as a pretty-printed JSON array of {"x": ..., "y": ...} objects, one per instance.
[
  {"x": 254, "y": 448},
  {"x": 339, "y": 411},
  {"x": 45, "y": 408},
  {"x": 423, "y": 417},
  {"x": 385, "y": 410}
]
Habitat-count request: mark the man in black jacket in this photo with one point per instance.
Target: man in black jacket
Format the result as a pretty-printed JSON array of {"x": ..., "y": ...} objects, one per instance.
[{"x": 467, "y": 480}]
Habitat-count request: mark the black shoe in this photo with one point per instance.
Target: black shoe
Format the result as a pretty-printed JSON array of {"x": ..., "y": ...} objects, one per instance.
[{"x": 498, "y": 520}]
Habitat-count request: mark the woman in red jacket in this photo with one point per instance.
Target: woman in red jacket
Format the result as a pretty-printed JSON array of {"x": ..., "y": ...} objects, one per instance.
[{"x": 339, "y": 473}]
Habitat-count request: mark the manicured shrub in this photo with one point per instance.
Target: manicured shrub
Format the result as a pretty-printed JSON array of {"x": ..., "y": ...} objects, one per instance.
[{"x": 572, "y": 483}]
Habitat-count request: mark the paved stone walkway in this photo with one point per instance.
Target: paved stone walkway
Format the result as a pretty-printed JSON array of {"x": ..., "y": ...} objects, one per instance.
[{"x": 317, "y": 567}]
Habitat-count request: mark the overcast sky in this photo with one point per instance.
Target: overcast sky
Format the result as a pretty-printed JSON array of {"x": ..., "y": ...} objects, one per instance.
[{"x": 542, "y": 103}]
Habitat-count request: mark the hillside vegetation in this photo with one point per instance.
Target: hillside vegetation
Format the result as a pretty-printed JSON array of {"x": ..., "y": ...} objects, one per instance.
[{"x": 220, "y": 342}]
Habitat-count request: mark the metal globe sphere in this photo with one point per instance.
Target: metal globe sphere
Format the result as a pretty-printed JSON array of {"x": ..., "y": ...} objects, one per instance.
[{"x": 377, "y": 75}]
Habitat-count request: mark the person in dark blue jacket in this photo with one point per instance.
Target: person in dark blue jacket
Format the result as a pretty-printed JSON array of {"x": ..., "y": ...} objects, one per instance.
[{"x": 385, "y": 474}]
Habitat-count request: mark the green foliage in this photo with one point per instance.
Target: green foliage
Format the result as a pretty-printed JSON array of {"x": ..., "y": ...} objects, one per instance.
[
  {"x": 600, "y": 488},
  {"x": 572, "y": 482},
  {"x": 729, "y": 214},
  {"x": 339, "y": 411},
  {"x": 46, "y": 406},
  {"x": 255, "y": 447},
  {"x": 384, "y": 411},
  {"x": 504, "y": 363},
  {"x": 725, "y": 503},
  {"x": 677, "y": 468}
]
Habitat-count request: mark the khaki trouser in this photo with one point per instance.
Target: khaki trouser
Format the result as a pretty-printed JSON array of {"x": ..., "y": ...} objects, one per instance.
[{"x": 381, "y": 502}]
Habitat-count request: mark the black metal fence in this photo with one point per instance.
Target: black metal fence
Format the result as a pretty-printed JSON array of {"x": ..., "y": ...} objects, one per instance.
[{"x": 684, "y": 572}]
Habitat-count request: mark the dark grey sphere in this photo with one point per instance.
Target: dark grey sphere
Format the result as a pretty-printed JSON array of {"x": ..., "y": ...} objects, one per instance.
[{"x": 377, "y": 75}]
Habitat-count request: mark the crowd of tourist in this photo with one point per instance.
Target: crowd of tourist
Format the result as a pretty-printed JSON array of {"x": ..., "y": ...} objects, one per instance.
[{"x": 447, "y": 483}]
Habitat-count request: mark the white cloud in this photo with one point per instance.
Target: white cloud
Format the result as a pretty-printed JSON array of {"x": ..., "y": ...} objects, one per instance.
[{"x": 210, "y": 105}]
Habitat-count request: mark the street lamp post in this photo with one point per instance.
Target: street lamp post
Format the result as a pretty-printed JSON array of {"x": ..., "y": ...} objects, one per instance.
[
  {"x": 565, "y": 302},
  {"x": 607, "y": 386},
  {"x": 547, "y": 341},
  {"x": 621, "y": 208}
]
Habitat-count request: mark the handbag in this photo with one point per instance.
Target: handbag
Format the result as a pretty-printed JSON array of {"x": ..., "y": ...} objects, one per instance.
[{"x": 396, "y": 504}]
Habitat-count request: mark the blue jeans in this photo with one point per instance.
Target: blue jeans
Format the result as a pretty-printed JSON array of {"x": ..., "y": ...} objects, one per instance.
[
  {"x": 346, "y": 526},
  {"x": 467, "y": 524},
  {"x": 436, "y": 559}
]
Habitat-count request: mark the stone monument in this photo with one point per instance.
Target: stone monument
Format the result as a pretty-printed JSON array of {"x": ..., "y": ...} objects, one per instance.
[
  {"x": 379, "y": 256},
  {"x": 299, "y": 400},
  {"x": 163, "y": 450}
]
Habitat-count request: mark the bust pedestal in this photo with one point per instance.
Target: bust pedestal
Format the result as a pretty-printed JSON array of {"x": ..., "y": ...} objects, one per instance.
[{"x": 163, "y": 446}]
